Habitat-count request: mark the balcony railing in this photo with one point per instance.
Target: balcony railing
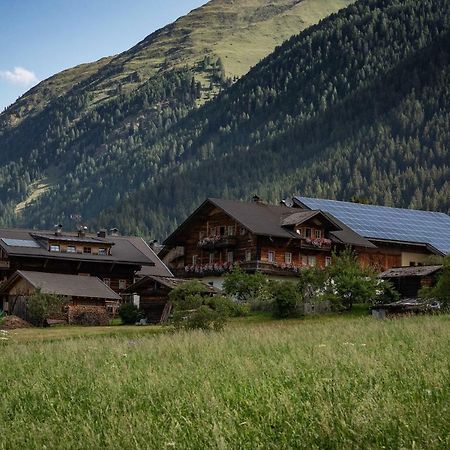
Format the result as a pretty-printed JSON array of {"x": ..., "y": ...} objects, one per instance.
[
  {"x": 211, "y": 243},
  {"x": 316, "y": 244},
  {"x": 268, "y": 268}
]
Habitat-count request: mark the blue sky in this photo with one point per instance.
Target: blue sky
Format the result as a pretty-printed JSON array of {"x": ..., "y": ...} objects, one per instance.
[{"x": 42, "y": 37}]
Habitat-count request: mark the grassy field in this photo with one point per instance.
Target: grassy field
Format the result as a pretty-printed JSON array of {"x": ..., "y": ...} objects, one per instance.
[{"x": 338, "y": 382}]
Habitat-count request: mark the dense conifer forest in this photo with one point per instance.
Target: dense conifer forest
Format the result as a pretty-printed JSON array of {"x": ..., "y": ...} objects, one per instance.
[{"x": 355, "y": 106}]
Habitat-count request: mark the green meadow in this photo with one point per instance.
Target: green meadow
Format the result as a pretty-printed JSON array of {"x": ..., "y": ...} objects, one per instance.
[{"x": 324, "y": 383}]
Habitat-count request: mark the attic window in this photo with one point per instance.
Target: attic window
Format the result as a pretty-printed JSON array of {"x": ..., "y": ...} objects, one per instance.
[
  {"x": 318, "y": 234},
  {"x": 54, "y": 248},
  {"x": 71, "y": 249},
  {"x": 243, "y": 231},
  {"x": 102, "y": 251},
  {"x": 308, "y": 232},
  {"x": 87, "y": 250}
]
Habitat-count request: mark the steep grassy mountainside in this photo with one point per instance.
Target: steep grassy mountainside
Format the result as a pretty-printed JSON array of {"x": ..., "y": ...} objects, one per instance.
[{"x": 77, "y": 116}]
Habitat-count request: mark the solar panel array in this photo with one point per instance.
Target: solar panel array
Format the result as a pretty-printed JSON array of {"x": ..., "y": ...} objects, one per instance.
[
  {"x": 394, "y": 224},
  {"x": 25, "y": 243}
]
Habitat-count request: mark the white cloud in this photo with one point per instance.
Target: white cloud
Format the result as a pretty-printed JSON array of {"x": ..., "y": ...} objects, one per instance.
[{"x": 19, "y": 76}]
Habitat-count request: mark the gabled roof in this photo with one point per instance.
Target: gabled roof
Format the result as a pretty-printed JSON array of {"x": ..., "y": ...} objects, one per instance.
[
  {"x": 271, "y": 220},
  {"x": 125, "y": 249},
  {"x": 382, "y": 223},
  {"x": 65, "y": 285},
  {"x": 170, "y": 282},
  {"x": 414, "y": 271}
]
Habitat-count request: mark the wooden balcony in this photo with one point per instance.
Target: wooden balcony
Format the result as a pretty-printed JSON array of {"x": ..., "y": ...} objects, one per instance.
[
  {"x": 217, "y": 242},
  {"x": 316, "y": 244}
]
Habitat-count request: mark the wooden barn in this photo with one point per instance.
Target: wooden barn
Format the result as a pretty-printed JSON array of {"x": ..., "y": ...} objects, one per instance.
[
  {"x": 409, "y": 280},
  {"x": 152, "y": 295}
]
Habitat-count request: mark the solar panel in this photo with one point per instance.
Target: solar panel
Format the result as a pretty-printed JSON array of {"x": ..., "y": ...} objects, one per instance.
[
  {"x": 384, "y": 223},
  {"x": 26, "y": 243}
]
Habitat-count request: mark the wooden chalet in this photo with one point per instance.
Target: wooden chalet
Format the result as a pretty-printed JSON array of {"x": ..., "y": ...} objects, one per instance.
[
  {"x": 402, "y": 237},
  {"x": 116, "y": 260},
  {"x": 76, "y": 290},
  {"x": 274, "y": 239},
  {"x": 153, "y": 295}
]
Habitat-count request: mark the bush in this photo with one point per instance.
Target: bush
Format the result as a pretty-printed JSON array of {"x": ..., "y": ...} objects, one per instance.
[
  {"x": 88, "y": 315},
  {"x": 242, "y": 286},
  {"x": 441, "y": 291},
  {"x": 286, "y": 297},
  {"x": 41, "y": 306},
  {"x": 193, "y": 310},
  {"x": 129, "y": 313}
]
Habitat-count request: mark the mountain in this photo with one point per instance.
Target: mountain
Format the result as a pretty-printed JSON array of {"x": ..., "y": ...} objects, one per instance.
[
  {"x": 355, "y": 106},
  {"x": 77, "y": 116}
]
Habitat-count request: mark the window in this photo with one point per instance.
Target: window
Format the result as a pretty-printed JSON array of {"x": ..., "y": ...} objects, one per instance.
[
  {"x": 242, "y": 231},
  {"x": 248, "y": 255},
  {"x": 230, "y": 257},
  {"x": 211, "y": 258},
  {"x": 271, "y": 256},
  {"x": 102, "y": 251},
  {"x": 304, "y": 260},
  {"x": 71, "y": 249},
  {"x": 107, "y": 281},
  {"x": 194, "y": 260},
  {"x": 212, "y": 231},
  {"x": 87, "y": 250},
  {"x": 307, "y": 232},
  {"x": 201, "y": 235},
  {"x": 122, "y": 284},
  {"x": 311, "y": 261},
  {"x": 230, "y": 230},
  {"x": 54, "y": 248},
  {"x": 301, "y": 232},
  {"x": 288, "y": 258},
  {"x": 318, "y": 234},
  {"x": 222, "y": 231},
  {"x": 327, "y": 261}
]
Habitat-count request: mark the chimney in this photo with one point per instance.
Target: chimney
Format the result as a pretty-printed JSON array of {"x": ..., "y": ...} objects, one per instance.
[
  {"x": 82, "y": 232},
  {"x": 114, "y": 232},
  {"x": 102, "y": 233},
  {"x": 58, "y": 229}
]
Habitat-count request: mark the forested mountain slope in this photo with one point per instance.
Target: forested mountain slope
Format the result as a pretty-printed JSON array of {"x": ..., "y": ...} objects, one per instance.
[
  {"x": 356, "y": 106},
  {"x": 69, "y": 128}
]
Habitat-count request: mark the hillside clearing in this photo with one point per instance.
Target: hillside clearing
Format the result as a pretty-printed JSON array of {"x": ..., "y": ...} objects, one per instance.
[{"x": 337, "y": 383}]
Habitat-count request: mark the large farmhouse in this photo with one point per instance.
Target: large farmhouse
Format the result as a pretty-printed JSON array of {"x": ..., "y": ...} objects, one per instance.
[
  {"x": 116, "y": 261},
  {"x": 280, "y": 240}
]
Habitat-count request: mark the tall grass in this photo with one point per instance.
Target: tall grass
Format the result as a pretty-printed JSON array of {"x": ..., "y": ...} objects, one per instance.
[{"x": 341, "y": 383}]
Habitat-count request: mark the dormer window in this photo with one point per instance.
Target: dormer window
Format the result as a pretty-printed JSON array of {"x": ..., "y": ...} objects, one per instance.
[
  {"x": 71, "y": 249},
  {"x": 87, "y": 250},
  {"x": 102, "y": 251},
  {"x": 54, "y": 248}
]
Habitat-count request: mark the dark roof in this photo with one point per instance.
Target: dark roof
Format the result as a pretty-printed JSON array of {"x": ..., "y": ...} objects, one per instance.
[
  {"x": 70, "y": 238},
  {"x": 271, "y": 220},
  {"x": 382, "y": 223},
  {"x": 125, "y": 249},
  {"x": 413, "y": 271},
  {"x": 65, "y": 285},
  {"x": 297, "y": 218},
  {"x": 170, "y": 282},
  {"x": 259, "y": 218}
]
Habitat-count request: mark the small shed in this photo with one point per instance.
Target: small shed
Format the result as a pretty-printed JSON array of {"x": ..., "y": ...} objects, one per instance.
[
  {"x": 76, "y": 289},
  {"x": 409, "y": 280},
  {"x": 153, "y": 295}
]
